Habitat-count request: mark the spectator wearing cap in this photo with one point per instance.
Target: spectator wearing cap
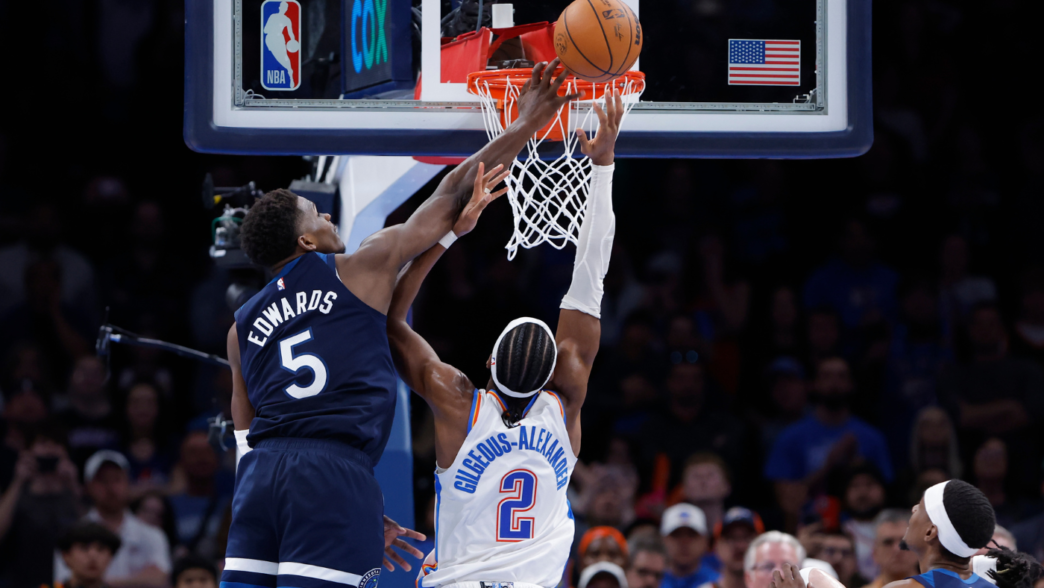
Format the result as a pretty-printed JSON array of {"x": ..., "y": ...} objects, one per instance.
[
  {"x": 41, "y": 501},
  {"x": 732, "y": 536},
  {"x": 87, "y": 550},
  {"x": 602, "y": 544},
  {"x": 828, "y": 439},
  {"x": 144, "y": 559},
  {"x": 685, "y": 534},
  {"x": 194, "y": 571},
  {"x": 603, "y": 574},
  {"x": 767, "y": 554},
  {"x": 893, "y": 562},
  {"x": 863, "y": 500},
  {"x": 648, "y": 563}
]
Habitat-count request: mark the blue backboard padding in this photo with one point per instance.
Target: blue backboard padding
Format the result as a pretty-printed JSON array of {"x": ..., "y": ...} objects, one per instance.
[{"x": 202, "y": 135}]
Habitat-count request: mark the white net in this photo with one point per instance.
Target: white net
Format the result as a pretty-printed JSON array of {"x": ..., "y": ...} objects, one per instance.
[{"x": 549, "y": 197}]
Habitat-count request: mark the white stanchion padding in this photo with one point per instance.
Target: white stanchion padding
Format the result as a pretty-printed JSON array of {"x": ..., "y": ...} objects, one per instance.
[
  {"x": 496, "y": 347},
  {"x": 936, "y": 510},
  {"x": 503, "y": 16}
]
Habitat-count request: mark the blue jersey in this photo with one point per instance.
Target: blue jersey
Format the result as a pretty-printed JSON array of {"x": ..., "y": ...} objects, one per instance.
[
  {"x": 948, "y": 579},
  {"x": 316, "y": 360}
]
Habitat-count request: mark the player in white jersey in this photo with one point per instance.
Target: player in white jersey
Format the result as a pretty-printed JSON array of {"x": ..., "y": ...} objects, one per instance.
[{"x": 505, "y": 453}]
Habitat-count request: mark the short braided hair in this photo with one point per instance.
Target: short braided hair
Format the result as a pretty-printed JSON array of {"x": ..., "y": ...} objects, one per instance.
[
  {"x": 525, "y": 358},
  {"x": 269, "y": 232}
]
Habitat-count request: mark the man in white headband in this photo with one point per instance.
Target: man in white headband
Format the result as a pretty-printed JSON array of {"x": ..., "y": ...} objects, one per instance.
[{"x": 505, "y": 453}]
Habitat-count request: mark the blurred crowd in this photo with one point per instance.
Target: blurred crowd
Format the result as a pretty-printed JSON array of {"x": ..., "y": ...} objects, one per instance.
[{"x": 796, "y": 347}]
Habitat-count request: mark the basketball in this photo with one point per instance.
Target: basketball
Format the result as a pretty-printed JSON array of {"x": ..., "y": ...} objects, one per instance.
[
  {"x": 598, "y": 41},
  {"x": 293, "y": 47}
]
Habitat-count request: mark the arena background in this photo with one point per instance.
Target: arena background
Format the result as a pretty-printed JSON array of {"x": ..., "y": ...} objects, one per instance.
[{"x": 729, "y": 281}]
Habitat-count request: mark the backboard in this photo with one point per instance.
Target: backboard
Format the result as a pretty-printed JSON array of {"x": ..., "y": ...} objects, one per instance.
[{"x": 376, "y": 77}]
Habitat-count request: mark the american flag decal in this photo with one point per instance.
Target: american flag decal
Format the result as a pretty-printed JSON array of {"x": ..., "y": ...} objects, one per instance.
[{"x": 764, "y": 63}]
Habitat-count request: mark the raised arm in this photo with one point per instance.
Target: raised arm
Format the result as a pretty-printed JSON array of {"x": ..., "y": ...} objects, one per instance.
[
  {"x": 386, "y": 251},
  {"x": 579, "y": 324},
  {"x": 445, "y": 388},
  {"x": 242, "y": 410}
]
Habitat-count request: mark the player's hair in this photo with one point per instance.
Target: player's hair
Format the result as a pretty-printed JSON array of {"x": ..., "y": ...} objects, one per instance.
[
  {"x": 192, "y": 562},
  {"x": 971, "y": 514},
  {"x": 1014, "y": 570},
  {"x": 269, "y": 231},
  {"x": 89, "y": 533},
  {"x": 525, "y": 358},
  {"x": 772, "y": 537}
]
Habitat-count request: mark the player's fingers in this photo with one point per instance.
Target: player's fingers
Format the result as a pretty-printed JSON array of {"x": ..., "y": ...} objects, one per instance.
[
  {"x": 493, "y": 172},
  {"x": 538, "y": 69},
  {"x": 603, "y": 118},
  {"x": 585, "y": 143},
  {"x": 388, "y": 565},
  {"x": 496, "y": 181},
  {"x": 499, "y": 193},
  {"x": 618, "y": 99},
  {"x": 549, "y": 72},
  {"x": 409, "y": 548},
  {"x": 555, "y": 85},
  {"x": 525, "y": 87},
  {"x": 395, "y": 557},
  {"x": 479, "y": 174}
]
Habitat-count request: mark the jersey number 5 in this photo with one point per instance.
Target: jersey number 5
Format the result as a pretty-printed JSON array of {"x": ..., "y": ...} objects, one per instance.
[
  {"x": 294, "y": 364},
  {"x": 521, "y": 485}
]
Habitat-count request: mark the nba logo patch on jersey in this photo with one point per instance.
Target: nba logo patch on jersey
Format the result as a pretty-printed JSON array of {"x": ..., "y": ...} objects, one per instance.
[
  {"x": 281, "y": 45},
  {"x": 280, "y": 284}
]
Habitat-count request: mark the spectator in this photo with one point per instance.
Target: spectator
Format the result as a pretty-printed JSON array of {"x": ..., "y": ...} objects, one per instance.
[
  {"x": 40, "y": 503},
  {"x": 59, "y": 330},
  {"x": 144, "y": 440},
  {"x": 1002, "y": 537},
  {"x": 647, "y": 564},
  {"x": 893, "y": 562},
  {"x": 863, "y": 500},
  {"x": 933, "y": 444},
  {"x": 153, "y": 508},
  {"x": 705, "y": 483},
  {"x": 602, "y": 544},
  {"x": 1028, "y": 341},
  {"x": 855, "y": 284},
  {"x": 788, "y": 398},
  {"x": 767, "y": 554},
  {"x": 824, "y": 336},
  {"x": 918, "y": 354},
  {"x": 87, "y": 550},
  {"x": 603, "y": 575},
  {"x": 829, "y": 438},
  {"x": 23, "y": 411},
  {"x": 996, "y": 395},
  {"x": 90, "y": 419},
  {"x": 732, "y": 537},
  {"x": 145, "y": 557},
  {"x": 684, "y": 531},
  {"x": 689, "y": 424},
  {"x": 958, "y": 291},
  {"x": 193, "y": 571},
  {"x": 991, "y": 476},
  {"x": 207, "y": 494},
  {"x": 838, "y": 550}
]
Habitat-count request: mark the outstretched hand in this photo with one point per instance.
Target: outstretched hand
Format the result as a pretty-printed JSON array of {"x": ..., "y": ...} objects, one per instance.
[
  {"x": 539, "y": 100},
  {"x": 787, "y": 577},
  {"x": 392, "y": 532},
  {"x": 480, "y": 198},
  {"x": 602, "y": 149}
]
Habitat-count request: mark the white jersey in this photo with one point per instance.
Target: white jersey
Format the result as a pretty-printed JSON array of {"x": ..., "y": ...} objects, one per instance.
[{"x": 501, "y": 512}]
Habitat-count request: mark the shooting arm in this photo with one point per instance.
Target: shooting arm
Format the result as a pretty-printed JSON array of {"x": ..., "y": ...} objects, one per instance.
[{"x": 242, "y": 411}]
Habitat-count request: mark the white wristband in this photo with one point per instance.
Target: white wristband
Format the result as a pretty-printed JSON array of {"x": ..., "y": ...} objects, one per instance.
[
  {"x": 448, "y": 239},
  {"x": 241, "y": 440}
]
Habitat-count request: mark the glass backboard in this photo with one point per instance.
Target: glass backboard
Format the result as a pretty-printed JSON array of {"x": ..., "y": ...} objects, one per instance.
[{"x": 383, "y": 77}]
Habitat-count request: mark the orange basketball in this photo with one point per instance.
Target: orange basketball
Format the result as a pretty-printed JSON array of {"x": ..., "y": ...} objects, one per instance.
[{"x": 598, "y": 40}]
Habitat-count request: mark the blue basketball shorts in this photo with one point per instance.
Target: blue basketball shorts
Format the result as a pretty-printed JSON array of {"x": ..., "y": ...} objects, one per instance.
[{"x": 307, "y": 513}]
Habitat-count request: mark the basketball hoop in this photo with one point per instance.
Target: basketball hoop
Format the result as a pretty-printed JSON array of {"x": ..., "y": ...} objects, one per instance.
[{"x": 548, "y": 198}]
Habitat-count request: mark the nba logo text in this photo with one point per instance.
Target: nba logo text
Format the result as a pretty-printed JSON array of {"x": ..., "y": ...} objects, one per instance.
[{"x": 281, "y": 45}]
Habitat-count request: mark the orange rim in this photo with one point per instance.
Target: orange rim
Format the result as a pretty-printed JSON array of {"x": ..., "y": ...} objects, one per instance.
[{"x": 497, "y": 81}]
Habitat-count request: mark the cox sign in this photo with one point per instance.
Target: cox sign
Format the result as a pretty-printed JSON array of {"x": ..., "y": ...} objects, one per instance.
[{"x": 369, "y": 34}]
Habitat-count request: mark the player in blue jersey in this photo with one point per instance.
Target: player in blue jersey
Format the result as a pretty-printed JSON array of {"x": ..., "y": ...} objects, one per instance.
[{"x": 313, "y": 378}]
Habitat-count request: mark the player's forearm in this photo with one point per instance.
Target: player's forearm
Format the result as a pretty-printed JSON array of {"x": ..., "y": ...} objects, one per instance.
[
  {"x": 594, "y": 246},
  {"x": 408, "y": 285}
]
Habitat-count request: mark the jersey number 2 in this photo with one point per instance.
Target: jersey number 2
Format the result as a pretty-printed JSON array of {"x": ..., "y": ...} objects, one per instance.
[
  {"x": 294, "y": 364},
  {"x": 521, "y": 485}
]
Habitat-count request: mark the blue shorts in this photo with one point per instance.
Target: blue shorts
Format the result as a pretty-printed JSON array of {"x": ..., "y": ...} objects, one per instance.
[{"x": 307, "y": 513}]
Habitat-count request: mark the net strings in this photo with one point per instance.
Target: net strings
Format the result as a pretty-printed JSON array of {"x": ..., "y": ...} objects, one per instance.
[{"x": 548, "y": 199}]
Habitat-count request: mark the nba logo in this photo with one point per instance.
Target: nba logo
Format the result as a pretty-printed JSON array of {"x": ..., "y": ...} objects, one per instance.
[
  {"x": 280, "y": 45},
  {"x": 280, "y": 284}
]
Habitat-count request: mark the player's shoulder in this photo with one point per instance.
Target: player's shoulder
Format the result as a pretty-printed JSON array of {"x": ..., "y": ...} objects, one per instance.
[{"x": 905, "y": 583}]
